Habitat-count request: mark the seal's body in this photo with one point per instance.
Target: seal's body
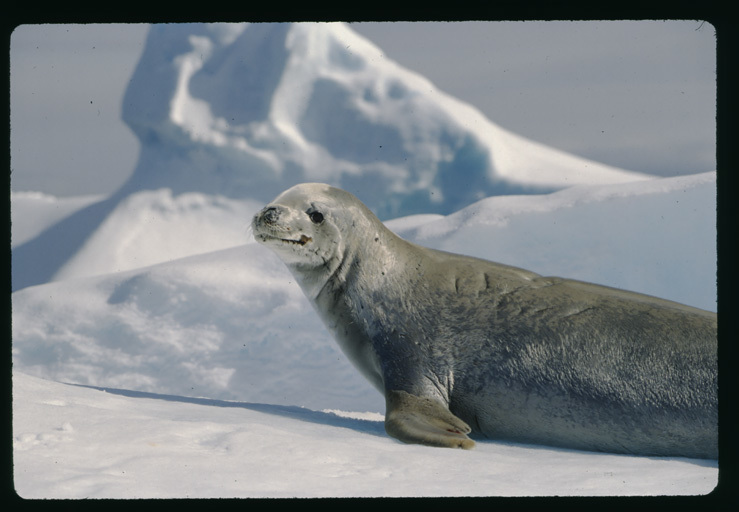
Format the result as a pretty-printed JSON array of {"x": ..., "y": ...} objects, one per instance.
[{"x": 458, "y": 344}]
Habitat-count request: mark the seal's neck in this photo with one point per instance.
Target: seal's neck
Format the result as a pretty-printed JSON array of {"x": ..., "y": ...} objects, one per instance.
[
  {"x": 364, "y": 262},
  {"x": 313, "y": 279},
  {"x": 332, "y": 273}
]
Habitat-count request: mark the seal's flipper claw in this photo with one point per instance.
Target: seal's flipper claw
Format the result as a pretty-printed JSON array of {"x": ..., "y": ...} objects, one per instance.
[{"x": 419, "y": 420}]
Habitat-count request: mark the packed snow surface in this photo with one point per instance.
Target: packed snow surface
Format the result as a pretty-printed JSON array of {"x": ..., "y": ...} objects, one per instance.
[{"x": 76, "y": 442}]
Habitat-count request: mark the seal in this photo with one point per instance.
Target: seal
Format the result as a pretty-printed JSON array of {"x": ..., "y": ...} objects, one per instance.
[{"x": 460, "y": 345}]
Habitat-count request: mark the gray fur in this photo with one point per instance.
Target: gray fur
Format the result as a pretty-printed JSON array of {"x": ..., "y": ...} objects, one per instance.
[{"x": 457, "y": 343}]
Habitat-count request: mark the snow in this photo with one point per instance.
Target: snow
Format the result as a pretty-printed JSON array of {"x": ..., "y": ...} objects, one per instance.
[
  {"x": 33, "y": 212},
  {"x": 282, "y": 401},
  {"x": 244, "y": 111},
  {"x": 153, "y": 226},
  {"x": 158, "y": 351},
  {"x": 74, "y": 442}
]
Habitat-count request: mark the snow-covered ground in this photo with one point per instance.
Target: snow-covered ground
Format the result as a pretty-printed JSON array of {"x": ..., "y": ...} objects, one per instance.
[
  {"x": 76, "y": 442},
  {"x": 158, "y": 351}
]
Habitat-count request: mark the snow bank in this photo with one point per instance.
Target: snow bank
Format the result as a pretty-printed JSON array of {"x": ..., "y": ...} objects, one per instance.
[
  {"x": 150, "y": 227},
  {"x": 227, "y": 325}
]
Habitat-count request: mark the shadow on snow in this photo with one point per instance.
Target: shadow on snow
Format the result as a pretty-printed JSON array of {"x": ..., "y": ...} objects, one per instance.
[{"x": 375, "y": 428}]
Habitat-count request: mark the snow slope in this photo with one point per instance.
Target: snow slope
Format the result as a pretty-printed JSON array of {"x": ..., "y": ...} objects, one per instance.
[
  {"x": 241, "y": 112},
  {"x": 154, "y": 226},
  {"x": 33, "y": 212},
  {"x": 231, "y": 325}
]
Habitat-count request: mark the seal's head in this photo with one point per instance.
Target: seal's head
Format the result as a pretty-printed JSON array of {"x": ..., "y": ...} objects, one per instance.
[
  {"x": 293, "y": 224},
  {"x": 310, "y": 227}
]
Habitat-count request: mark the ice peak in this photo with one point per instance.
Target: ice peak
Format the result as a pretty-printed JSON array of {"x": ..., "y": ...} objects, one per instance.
[{"x": 248, "y": 110}]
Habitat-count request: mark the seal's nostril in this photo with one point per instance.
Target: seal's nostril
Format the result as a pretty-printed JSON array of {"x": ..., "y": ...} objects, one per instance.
[{"x": 270, "y": 215}]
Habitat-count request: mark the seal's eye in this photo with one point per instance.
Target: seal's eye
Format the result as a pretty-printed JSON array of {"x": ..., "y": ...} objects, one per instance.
[{"x": 316, "y": 217}]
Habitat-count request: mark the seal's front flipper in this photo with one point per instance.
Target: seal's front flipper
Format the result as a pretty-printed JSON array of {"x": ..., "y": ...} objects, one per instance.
[{"x": 414, "y": 419}]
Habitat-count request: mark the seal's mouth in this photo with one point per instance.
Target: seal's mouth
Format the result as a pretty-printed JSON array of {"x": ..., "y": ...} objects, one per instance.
[{"x": 301, "y": 241}]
